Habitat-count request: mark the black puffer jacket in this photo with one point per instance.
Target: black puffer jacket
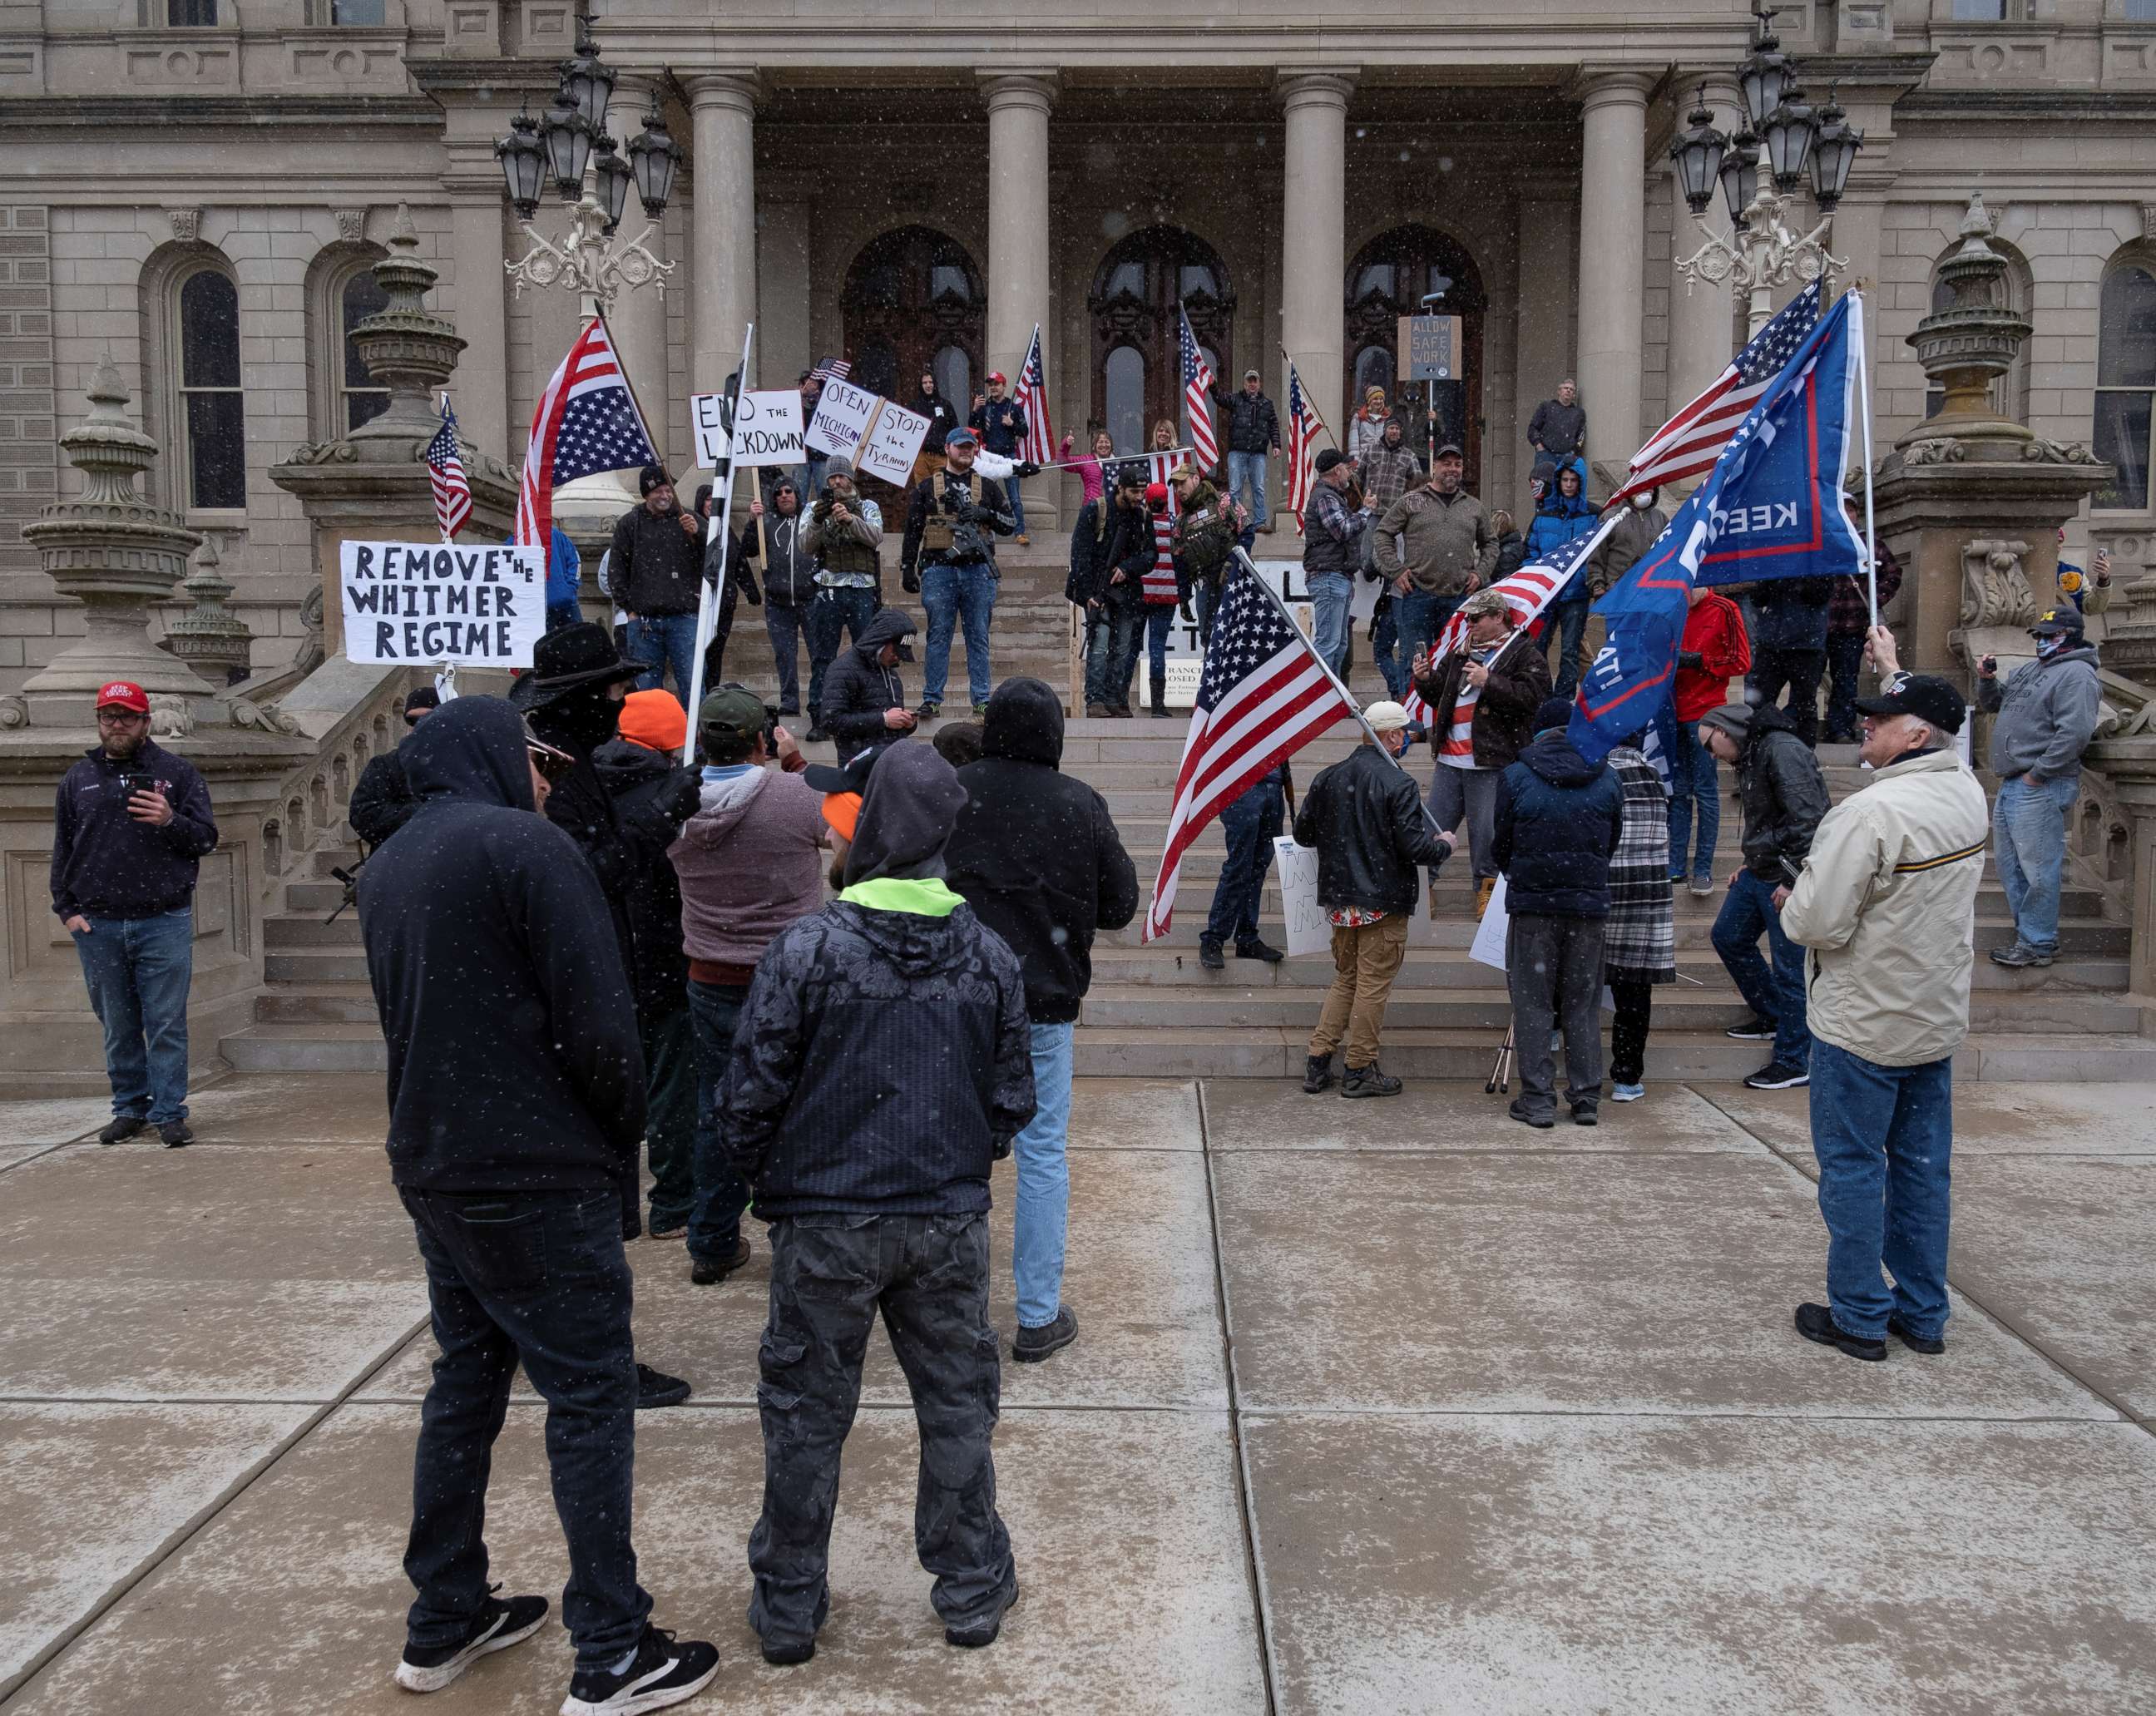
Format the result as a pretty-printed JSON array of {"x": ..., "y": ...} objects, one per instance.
[
  {"x": 652, "y": 797},
  {"x": 859, "y": 690},
  {"x": 1253, "y": 425},
  {"x": 1559, "y": 818},
  {"x": 1784, "y": 795},
  {"x": 514, "y": 1064},
  {"x": 1365, "y": 816},
  {"x": 1036, "y": 853}
]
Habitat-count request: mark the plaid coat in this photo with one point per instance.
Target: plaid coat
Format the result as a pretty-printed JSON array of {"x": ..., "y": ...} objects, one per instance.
[{"x": 1639, "y": 941}]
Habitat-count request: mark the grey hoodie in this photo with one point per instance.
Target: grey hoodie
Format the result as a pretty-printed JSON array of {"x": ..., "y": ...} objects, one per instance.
[{"x": 2047, "y": 713}]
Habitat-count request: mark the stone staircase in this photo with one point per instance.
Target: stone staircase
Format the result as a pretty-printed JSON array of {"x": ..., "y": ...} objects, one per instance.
[{"x": 1154, "y": 1012}]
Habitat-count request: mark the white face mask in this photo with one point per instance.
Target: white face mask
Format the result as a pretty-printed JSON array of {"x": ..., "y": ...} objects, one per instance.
[
  {"x": 2047, "y": 647},
  {"x": 1643, "y": 502}
]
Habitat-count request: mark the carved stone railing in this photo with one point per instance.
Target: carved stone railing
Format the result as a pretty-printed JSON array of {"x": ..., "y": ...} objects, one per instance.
[{"x": 353, "y": 714}]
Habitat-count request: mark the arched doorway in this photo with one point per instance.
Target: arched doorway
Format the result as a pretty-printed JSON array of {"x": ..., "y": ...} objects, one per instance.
[
  {"x": 1137, "y": 373},
  {"x": 914, "y": 302},
  {"x": 1388, "y": 280}
]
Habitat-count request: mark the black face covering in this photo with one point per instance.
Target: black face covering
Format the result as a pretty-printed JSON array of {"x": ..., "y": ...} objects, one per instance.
[{"x": 580, "y": 722}]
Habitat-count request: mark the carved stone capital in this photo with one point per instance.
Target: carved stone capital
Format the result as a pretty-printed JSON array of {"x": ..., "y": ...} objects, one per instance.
[
  {"x": 1995, "y": 586},
  {"x": 186, "y": 225},
  {"x": 351, "y": 226}
]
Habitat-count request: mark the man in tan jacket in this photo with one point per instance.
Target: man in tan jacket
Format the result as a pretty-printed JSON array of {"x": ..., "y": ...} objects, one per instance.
[
  {"x": 1885, "y": 906},
  {"x": 1436, "y": 546}
]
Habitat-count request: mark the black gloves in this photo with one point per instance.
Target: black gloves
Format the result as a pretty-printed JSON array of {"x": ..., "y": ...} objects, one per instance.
[{"x": 909, "y": 580}]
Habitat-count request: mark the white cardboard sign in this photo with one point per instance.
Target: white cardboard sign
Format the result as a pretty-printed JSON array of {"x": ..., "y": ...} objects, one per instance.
[
  {"x": 1309, "y": 930},
  {"x": 768, "y": 430},
  {"x": 1490, "y": 934},
  {"x": 892, "y": 443},
  {"x": 842, "y": 418},
  {"x": 433, "y": 602}
]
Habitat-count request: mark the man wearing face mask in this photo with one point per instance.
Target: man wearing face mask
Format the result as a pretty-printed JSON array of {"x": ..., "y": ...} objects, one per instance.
[{"x": 2047, "y": 711}]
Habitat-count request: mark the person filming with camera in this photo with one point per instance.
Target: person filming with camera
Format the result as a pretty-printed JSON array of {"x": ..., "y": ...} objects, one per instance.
[
  {"x": 130, "y": 824},
  {"x": 949, "y": 561}
]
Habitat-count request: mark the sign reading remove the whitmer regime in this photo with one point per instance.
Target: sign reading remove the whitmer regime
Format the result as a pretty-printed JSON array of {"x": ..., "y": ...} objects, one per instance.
[{"x": 437, "y": 603}]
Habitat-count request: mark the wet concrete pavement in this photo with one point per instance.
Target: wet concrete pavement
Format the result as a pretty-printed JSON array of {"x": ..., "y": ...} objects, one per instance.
[{"x": 1385, "y": 1406}]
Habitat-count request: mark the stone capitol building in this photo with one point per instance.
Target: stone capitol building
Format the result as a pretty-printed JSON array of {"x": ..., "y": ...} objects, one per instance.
[{"x": 200, "y": 189}]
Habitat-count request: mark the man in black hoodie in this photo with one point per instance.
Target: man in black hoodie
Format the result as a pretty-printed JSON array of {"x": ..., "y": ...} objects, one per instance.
[
  {"x": 1037, "y": 856},
  {"x": 864, "y": 699},
  {"x": 515, "y": 1106},
  {"x": 880, "y": 1068}
]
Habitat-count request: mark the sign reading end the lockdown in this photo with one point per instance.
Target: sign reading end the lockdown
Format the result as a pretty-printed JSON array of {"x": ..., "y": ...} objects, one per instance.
[{"x": 435, "y": 603}]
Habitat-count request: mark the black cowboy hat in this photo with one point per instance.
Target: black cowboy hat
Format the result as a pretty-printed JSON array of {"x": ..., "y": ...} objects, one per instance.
[{"x": 569, "y": 659}]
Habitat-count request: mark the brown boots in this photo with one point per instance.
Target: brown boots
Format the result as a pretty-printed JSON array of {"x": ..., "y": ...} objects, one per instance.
[{"x": 1483, "y": 889}]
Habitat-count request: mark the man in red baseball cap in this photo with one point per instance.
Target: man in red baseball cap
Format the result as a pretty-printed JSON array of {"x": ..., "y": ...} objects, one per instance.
[
  {"x": 1000, "y": 423},
  {"x": 130, "y": 826}
]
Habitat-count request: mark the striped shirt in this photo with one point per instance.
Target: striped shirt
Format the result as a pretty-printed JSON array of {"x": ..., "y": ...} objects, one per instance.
[{"x": 1458, "y": 750}]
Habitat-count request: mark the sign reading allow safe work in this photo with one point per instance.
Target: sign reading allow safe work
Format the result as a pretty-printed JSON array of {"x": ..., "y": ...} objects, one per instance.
[
  {"x": 1431, "y": 346},
  {"x": 842, "y": 418},
  {"x": 433, "y": 603},
  {"x": 769, "y": 431},
  {"x": 892, "y": 443}
]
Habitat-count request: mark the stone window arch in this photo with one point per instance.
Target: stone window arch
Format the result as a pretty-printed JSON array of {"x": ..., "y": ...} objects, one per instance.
[
  {"x": 2126, "y": 378},
  {"x": 192, "y": 371},
  {"x": 2009, "y": 393},
  {"x": 342, "y": 293}
]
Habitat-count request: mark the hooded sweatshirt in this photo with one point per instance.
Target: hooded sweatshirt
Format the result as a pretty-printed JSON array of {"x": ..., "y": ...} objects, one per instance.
[
  {"x": 2047, "y": 713},
  {"x": 1559, "y": 818},
  {"x": 1036, "y": 852},
  {"x": 883, "y": 1061},
  {"x": 1558, "y": 518},
  {"x": 514, "y": 1064},
  {"x": 859, "y": 690},
  {"x": 750, "y": 863}
]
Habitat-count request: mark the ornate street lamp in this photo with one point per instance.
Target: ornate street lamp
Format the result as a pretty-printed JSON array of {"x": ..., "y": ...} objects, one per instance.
[
  {"x": 1761, "y": 251},
  {"x": 572, "y": 147}
]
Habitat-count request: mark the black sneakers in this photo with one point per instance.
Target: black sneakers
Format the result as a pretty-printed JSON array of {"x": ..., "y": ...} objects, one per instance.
[
  {"x": 1369, "y": 1082},
  {"x": 1317, "y": 1074},
  {"x": 709, "y": 1271},
  {"x": 1259, "y": 950},
  {"x": 1910, "y": 1338},
  {"x": 1777, "y": 1075},
  {"x": 983, "y": 1633},
  {"x": 1754, "y": 1029},
  {"x": 662, "y": 1672},
  {"x": 1815, "y": 1323},
  {"x": 655, "y": 1388},
  {"x": 178, "y": 1134},
  {"x": 1525, "y": 1116},
  {"x": 496, "y": 1627},
  {"x": 1209, "y": 954},
  {"x": 1035, "y": 1344},
  {"x": 122, "y": 1128},
  {"x": 1584, "y": 1114}
]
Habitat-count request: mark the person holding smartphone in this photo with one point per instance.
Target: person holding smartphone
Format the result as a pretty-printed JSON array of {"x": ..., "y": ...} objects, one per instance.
[{"x": 130, "y": 825}]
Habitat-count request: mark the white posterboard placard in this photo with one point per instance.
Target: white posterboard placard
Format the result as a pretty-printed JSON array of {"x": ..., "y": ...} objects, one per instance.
[
  {"x": 1489, "y": 946},
  {"x": 767, "y": 431},
  {"x": 842, "y": 418},
  {"x": 435, "y": 603},
  {"x": 892, "y": 443},
  {"x": 1309, "y": 930}
]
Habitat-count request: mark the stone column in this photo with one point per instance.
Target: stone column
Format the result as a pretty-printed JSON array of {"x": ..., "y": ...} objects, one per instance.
[
  {"x": 637, "y": 319},
  {"x": 722, "y": 160},
  {"x": 1018, "y": 240},
  {"x": 1313, "y": 227},
  {"x": 1702, "y": 316},
  {"x": 1612, "y": 256}
]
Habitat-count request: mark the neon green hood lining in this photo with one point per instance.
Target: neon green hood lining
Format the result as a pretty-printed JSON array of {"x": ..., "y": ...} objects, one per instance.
[{"x": 931, "y": 896}]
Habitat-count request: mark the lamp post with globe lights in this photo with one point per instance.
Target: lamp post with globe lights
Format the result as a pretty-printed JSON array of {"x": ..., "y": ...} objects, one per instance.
[{"x": 1794, "y": 143}]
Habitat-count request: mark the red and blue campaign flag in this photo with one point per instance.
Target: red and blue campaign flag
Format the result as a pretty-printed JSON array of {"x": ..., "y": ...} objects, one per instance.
[{"x": 1772, "y": 507}]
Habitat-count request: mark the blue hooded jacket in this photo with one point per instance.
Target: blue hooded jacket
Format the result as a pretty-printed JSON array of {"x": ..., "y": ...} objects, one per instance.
[{"x": 1559, "y": 518}]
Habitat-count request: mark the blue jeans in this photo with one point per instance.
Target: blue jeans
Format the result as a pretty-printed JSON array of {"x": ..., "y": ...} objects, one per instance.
[
  {"x": 661, "y": 641},
  {"x": 1884, "y": 1138},
  {"x": 720, "y": 1194},
  {"x": 1112, "y": 649},
  {"x": 1384, "y": 644},
  {"x": 138, "y": 970},
  {"x": 538, "y": 1277},
  {"x": 784, "y": 625},
  {"x": 2029, "y": 843},
  {"x": 1017, "y": 501},
  {"x": 1420, "y": 617},
  {"x": 1043, "y": 1182},
  {"x": 1204, "y": 600},
  {"x": 1250, "y": 467},
  {"x": 1251, "y": 823},
  {"x": 1775, "y": 993},
  {"x": 1159, "y": 623},
  {"x": 1330, "y": 593},
  {"x": 1567, "y": 624},
  {"x": 966, "y": 592},
  {"x": 835, "y": 608},
  {"x": 1694, "y": 783}
]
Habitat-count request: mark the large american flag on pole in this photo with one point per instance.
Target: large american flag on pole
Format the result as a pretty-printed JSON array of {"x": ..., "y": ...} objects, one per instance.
[
  {"x": 1526, "y": 592},
  {"x": 1689, "y": 442},
  {"x": 588, "y": 422},
  {"x": 1031, "y": 396},
  {"x": 1197, "y": 395},
  {"x": 1264, "y": 695},
  {"x": 1303, "y": 424},
  {"x": 445, "y": 473}
]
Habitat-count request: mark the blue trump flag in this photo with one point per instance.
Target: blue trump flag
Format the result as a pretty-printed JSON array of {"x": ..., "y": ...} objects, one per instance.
[{"x": 1772, "y": 507}]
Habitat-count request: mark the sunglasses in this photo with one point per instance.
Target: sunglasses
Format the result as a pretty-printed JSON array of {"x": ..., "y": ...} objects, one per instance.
[{"x": 553, "y": 765}]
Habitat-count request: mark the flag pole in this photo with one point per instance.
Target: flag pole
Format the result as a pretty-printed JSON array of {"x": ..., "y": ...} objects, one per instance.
[
  {"x": 1864, "y": 406},
  {"x": 711, "y": 589},
  {"x": 1314, "y": 411}
]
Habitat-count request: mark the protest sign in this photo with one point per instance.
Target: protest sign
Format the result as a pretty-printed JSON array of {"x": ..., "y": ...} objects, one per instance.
[
  {"x": 767, "y": 431},
  {"x": 1309, "y": 930},
  {"x": 842, "y": 418},
  {"x": 433, "y": 602},
  {"x": 1489, "y": 948},
  {"x": 892, "y": 443}
]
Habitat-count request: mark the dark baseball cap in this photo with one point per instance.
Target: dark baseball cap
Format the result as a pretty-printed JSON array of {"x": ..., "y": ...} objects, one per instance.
[
  {"x": 851, "y": 776},
  {"x": 1450, "y": 449},
  {"x": 731, "y": 709},
  {"x": 2057, "y": 622},
  {"x": 1925, "y": 696}
]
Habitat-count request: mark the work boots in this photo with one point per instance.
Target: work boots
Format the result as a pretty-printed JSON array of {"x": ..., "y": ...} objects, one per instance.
[
  {"x": 1317, "y": 1073},
  {"x": 1369, "y": 1082},
  {"x": 1158, "y": 708},
  {"x": 1483, "y": 889}
]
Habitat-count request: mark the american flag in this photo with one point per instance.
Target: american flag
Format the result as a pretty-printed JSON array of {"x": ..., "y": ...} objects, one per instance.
[
  {"x": 1303, "y": 424},
  {"x": 1689, "y": 442},
  {"x": 445, "y": 471},
  {"x": 587, "y": 422},
  {"x": 1159, "y": 588},
  {"x": 1526, "y": 592},
  {"x": 1031, "y": 396},
  {"x": 1264, "y": 695},
  {"x": 1197, "y": 396},
  {"x": 831, "y": 369}
]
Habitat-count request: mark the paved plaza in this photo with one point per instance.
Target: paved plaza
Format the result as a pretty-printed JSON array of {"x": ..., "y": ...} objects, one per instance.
[{"x": 1379, "y": 1407}]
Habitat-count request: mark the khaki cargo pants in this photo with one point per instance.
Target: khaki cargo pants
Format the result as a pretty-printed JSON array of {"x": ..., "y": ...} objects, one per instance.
[{"x": 1365, "y": 961}]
